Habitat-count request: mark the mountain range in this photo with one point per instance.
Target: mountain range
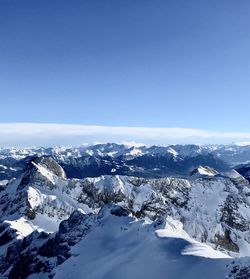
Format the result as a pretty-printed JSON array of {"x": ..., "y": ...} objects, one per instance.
[{"x": 118, "y": 211}]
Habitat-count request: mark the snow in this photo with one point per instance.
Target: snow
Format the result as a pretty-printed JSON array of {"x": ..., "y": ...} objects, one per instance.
[
  {"x": 22, "y": 226},
  {"x": 135, "y": 152},
  {"x": 174, "y": 229},
  {"x": 142, "y": 194},
  {"x": 203, "y": 214},
  {"x": 44, "y": 223},
  {"x": 108, "y": 183},
  {"x": 4, "y": 182},
  {"x": 3, "y": 167},
  {"x": 123, "y": 248},
  {"x": 202, "y": 250},
  {"x": 44, "y": 172},
  {"x": 172, "y": 151},
  {"x": 243, "y": 143},
  {"x": 133, "y": 144},
  {"x": 205, "y": 171}
]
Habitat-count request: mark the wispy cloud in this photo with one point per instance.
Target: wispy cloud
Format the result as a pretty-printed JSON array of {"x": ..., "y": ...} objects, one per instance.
[{"x": 26, "y": 134}]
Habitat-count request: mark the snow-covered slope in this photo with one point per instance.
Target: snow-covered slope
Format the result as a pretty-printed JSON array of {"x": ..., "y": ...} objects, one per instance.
[
  {"x": 126, "y": 248},
  {"x": 112, "y": 244}
]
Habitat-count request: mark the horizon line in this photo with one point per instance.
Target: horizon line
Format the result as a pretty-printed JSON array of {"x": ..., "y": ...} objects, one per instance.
[{"x": 56, "y": 134}]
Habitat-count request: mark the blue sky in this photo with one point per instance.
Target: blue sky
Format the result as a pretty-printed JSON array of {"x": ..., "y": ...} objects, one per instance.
[{"x": 130, "y": 63}]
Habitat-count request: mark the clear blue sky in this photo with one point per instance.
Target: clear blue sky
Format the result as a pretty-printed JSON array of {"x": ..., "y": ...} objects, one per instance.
[{"x": 144, "y": 63}]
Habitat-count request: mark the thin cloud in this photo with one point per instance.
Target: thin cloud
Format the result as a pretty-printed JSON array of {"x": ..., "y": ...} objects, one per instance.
[{"x": 26, "y": 134}]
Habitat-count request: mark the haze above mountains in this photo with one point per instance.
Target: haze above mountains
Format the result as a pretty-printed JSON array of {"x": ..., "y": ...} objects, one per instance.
[{"x": 49, "y": 134}]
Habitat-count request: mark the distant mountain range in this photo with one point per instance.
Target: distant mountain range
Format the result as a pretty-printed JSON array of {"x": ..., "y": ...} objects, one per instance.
[{"x": 142, "y": 161}]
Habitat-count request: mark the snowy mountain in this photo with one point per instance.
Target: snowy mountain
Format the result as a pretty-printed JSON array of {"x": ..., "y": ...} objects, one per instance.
[
  {"x": 211, "y": 210},
  {"x": 109, "y": 159},
  {"x": 123, "y": 226}
]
